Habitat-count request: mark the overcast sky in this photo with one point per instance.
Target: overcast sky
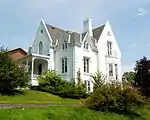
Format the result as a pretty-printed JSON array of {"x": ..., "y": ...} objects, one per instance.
[{"x": 130, "y": 21}]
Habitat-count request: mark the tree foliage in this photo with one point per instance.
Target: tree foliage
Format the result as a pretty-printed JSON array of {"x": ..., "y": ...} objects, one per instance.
[
  {"x": 142, "y": 79},
  {"x": 110, "y": 96},
  {"x": 98, "y": 79},
  {"x": 11, "y": 76},
  {"x": 129, "y": 77},
  {"x": 79, "y": 81},
  {"x": 52, "y": 82}
]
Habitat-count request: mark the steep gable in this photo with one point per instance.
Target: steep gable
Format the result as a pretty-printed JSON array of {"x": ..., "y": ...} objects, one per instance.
[{"x": 97, "y": 32}]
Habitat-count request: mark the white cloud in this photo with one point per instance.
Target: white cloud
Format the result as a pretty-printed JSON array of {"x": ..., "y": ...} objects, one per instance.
[{"x": 141, "y": 12}]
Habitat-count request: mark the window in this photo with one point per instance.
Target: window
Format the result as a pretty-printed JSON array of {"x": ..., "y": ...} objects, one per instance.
[
  {"x": 40, "y": 47},
  {"x": 110, "y": 69},
  {"x": 88, "y": 85},
  {"x": 109, "y": 47},
  {"x": 109, "y": 34},
  {"x": 64, "y": 45},
  {"x": 116, "y": 71},
  {"x": 64, "y": 65},
  {"x": 86, "y": 65},
  {"x": 41, "y": 31},
  {"x": 86, "y": 45}
]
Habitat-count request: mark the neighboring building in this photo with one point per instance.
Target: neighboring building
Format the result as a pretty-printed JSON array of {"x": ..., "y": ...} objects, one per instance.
[
  {"x": 17, "y": 53},
  {"x": 67, "y": 52}
]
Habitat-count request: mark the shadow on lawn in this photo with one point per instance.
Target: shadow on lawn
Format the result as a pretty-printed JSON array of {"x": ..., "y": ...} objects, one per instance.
[{"x": 11, "y": 92}]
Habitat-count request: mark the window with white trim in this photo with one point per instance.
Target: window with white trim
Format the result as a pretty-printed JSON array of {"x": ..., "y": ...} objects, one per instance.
[
  {"x": 86, "y": 64},
  {"x": 64, "y": 45},
  {"x": 116, "y": 71},
  {"x": 88, "y": 85},
  {"x": 109, "y": 48},
  {"x": 64, "y": 65},
  {"x": 86, "y": 45},
  {"x": 40, "y": 47},
  {"x": 110, "y": 69},
  {"x": 108, "y": 34}
]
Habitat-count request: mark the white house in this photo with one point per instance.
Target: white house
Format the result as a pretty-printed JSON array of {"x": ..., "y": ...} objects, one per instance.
[{"x": 68, "y": 52}]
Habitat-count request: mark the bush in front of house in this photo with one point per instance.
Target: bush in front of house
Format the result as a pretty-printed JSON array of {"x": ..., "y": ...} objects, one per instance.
[
  {"x": 11, "y": 76},
  {"x": 112, "y": 97},
  {"x": 52, "y": 82}
]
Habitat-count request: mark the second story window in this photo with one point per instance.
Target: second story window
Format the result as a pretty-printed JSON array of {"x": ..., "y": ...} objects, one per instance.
[
  {"x": 86, "y": 64},
  {"x": 64, "y": 45},
  {"x": 109, "y": 48},
  {"x": 86, "y": 45},
  {"x": 64, "y": 65},
  {"x": 110, "y": 69}
]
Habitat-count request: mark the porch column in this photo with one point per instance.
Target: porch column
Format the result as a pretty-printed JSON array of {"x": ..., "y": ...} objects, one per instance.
[
  {"x": 48, "y": 64},
  {"x": 32, "y": 68}
]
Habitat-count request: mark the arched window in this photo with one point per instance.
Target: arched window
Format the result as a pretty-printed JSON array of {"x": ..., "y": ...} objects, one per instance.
[
  {"x": 64, "y": 45},
  {"x": 40, "y": 47}
]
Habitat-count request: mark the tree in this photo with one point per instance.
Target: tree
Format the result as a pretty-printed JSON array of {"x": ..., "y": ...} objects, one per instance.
[
  {"x": 11, "y": 76},
  {"x": 79, "y": 81},
  {"x": 98, "y": 79},
  {"x": 142, "y": 78},
  {"x": 129, "y": 77}
]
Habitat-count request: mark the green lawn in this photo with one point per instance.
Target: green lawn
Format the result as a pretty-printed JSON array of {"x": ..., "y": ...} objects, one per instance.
[
  {"x": 63, "y": 113},
  {"x": 58, "y": 112},
  {"x": 37, "y": 97}
]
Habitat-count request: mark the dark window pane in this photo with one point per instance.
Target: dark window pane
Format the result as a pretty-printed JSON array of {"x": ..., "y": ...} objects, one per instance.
[
  {"x": 62, "y": 65},
  {"x": 65, "y": 65},
  {"x": 63, "y": 46}
]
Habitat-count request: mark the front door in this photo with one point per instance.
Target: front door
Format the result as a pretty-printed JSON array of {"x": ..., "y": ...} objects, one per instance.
[{"x": 40, "y": 69}]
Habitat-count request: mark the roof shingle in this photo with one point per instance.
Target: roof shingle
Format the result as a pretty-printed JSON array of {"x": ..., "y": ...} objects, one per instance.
[{"x": 56, "y": 34}]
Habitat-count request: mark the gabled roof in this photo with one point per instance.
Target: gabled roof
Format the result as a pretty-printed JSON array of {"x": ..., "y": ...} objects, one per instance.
[
  {"x": 56, "y": 34},
  {"x": 18, "y": 49},
  {"x": 97, "y": 32}
]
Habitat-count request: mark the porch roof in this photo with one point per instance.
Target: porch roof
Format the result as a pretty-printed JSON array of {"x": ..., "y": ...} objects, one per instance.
[{"x": 36, "y": 56}]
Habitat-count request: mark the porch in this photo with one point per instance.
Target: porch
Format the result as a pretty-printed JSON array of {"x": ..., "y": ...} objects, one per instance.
[{"x": 35, "y": 64}]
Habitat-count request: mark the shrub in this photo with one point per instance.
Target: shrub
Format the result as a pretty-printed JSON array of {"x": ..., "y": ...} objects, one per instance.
[
  {"x": 11, "y": 76},
  {"x": 112, "y": 97},
  {"x": 52, "y": 82}
]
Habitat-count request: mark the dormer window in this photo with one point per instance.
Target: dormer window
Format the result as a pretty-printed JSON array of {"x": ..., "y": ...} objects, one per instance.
[
  {"x": 64, "y": 45},
  {"x": 86, "y": 45}
]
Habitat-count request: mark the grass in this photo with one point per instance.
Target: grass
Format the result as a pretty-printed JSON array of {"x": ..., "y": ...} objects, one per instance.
[
  {"x": 64, "y": 113},
  {"x": 36, "y": 97},
  {"x": 58, "y": 112}
]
